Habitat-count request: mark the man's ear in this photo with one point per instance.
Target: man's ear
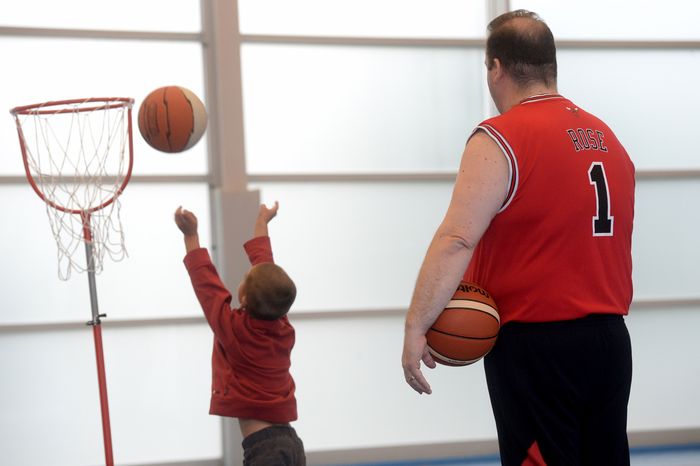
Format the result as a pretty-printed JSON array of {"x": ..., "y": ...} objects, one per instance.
[{"x": 497, "y": 68}]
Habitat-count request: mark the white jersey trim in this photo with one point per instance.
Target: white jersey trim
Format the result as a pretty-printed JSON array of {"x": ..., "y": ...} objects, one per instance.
[
  {"x": 513, "y": 172},
  {"x": 541, "y": 98}
]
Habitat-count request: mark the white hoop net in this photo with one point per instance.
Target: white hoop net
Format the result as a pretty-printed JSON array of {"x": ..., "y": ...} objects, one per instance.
[{"x": 78, "y": 158}]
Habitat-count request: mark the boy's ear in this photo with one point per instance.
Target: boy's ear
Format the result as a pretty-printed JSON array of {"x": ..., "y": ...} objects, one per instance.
[{"x": 243, "y": 300}]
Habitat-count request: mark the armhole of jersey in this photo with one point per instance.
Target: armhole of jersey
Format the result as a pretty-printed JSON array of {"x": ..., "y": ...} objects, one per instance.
[{"x": 510, "y": 158}]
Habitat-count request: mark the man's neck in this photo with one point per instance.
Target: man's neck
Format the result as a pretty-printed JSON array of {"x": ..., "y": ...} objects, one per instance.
[{"x": 519, "y": 94}]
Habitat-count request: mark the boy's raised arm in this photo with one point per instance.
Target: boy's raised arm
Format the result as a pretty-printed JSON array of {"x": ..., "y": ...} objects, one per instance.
[
  {"x": 211, "y": 292},
  {"x": 265, "y": 214},
  {"x": 187, "y": 223}
]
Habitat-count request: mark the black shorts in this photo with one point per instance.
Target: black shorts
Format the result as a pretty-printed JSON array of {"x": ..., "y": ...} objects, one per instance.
[
  {"x": 274, "y": 446},
  {"x": 562, "y": 387}
]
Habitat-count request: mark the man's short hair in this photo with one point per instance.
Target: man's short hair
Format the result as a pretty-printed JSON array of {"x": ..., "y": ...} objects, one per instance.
[
  {"x": 524, "y": 44},
  {"x": 269, "y": 291}
]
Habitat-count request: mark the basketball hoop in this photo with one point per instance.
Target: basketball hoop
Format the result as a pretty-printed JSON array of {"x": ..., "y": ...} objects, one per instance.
[{"x": 75, "y": 158}]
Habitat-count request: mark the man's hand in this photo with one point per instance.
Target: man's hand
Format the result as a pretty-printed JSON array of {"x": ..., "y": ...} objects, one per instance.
[{"x": 415, "y": 350}]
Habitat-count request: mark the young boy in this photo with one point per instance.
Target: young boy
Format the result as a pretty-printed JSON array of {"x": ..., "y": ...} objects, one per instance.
[{"x": 252, "y": 344}]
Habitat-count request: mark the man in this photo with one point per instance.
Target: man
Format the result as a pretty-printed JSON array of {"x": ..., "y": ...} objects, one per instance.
[{"x": 541, "y": 216}]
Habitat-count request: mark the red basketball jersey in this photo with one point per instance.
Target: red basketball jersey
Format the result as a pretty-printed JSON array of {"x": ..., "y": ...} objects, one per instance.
[{"x": 560, "y": 247}]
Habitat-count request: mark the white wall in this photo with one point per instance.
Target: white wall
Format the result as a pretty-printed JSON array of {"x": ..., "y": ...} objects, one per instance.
[
  {"x": 352, "y": 395},
  {"x": 158, "y": 382},
  {"x": 342, "y": 240},
  {"x": 349, "y": 374}
]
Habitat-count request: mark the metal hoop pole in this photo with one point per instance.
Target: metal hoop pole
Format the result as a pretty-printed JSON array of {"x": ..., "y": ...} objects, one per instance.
[
  {"x": 104, "y": 403},
  {"x": 77, "y": 106},
  {"x": 97, "y": 334}
]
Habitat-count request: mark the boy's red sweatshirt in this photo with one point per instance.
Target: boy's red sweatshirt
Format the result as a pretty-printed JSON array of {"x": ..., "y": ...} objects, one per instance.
[{"x": 251, "y": 357}]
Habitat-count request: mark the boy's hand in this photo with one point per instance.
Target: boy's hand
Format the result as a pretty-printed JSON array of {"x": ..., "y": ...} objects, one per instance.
[
  {"x": 186, "y": 221},
  {"x": 266, "y": 214}
]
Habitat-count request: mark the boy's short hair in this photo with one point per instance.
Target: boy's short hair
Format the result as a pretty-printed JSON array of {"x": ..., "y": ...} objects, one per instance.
[{"x": 269, "y": 291}]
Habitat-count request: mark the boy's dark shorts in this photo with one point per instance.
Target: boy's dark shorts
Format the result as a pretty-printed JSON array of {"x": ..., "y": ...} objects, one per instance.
[{"x": 274, "y": 446}]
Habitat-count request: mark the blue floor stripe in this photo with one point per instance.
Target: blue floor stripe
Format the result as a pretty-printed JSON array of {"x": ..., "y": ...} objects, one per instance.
[
  {"x": 654, "y": 450},
  {"x": 434, "y": 462},
  {"x": 638, "y": 452}
]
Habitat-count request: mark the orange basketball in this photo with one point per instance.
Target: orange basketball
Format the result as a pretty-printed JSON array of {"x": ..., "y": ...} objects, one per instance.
[
  {"x": 467, "y": 329},
  {"x": 172, "y": 119}
]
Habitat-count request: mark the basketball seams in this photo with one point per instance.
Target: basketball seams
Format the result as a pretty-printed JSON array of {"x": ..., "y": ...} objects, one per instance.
[
  {"x": 149, "y": 122},
  {"x": 172, "y": 119},
  {"x": 433, "y": 329},
  {"x": 166, "y": 107},
  {"x": 463, "y": 331},
  {"x": 471, "y": 296},
  {"x": 457, "y": 362},
  {"x": 199, "y": 116},
  {"x": 471, "y": 305},
  {"x": 192, "y": 123}
]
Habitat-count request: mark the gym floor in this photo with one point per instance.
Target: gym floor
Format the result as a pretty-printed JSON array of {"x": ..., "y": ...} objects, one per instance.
[{"x": 686, "y": 455}]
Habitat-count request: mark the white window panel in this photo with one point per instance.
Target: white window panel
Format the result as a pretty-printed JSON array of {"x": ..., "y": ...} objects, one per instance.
[
  {"x": 652, "y": 110},
  {"x": 664, "y": 386},
  {"x": 158, "y": 382},
  {"x": 360, "y": 245},
  {"x": 368, "y": 18},
  {"x": 354, "y": 245},
  {"x": 41, "y": 70},
  {"x": 130, "y": 15},
  {"x": 619, "y": 20},
  {"x": 336, "y": 109},
  {"x": 665, "y": 240},
  {"x": 367, "y": 349},
  {"x": 152, "y": 282}
]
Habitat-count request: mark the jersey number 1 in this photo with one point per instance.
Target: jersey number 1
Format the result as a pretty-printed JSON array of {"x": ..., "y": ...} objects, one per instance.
[{"x": 602, "y": 221}]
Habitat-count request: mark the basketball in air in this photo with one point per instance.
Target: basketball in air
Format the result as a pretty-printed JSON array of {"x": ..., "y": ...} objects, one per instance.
[
  {"x": 467, "y": 328},
  {"x": 172, "y": 119}
]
